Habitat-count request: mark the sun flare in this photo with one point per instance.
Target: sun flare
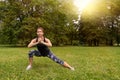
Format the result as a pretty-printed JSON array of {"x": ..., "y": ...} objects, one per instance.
[{"x": 82, "y": 4}]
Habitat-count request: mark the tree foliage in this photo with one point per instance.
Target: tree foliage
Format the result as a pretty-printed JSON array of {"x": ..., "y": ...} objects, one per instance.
[
  {"x": 99, "y": 25},
  {"x": 20, "y": 18}
]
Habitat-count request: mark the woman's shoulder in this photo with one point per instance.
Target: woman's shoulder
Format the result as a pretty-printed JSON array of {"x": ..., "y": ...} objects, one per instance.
[
  {"x": 46, "y": 39},
  {"x": 35, "y": 39}
]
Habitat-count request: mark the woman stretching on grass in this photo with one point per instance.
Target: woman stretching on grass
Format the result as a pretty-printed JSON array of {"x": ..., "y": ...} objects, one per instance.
[{"x": 42, "y": 44}]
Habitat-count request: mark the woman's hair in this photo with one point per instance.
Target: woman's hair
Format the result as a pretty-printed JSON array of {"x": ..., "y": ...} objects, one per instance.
[{"x": 40, "y": 28}]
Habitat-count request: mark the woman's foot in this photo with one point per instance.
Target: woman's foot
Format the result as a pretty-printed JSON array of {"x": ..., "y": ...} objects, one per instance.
[
  {"x": 28, "y": 67},
  {"x": 72, "y": 68}
]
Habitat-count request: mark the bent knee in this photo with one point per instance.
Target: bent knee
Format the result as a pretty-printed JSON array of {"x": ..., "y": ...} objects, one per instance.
[{"x": 31, "y": 53}]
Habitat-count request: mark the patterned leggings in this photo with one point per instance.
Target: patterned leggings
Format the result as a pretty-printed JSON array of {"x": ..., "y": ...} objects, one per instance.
[{"x": 50, "y": 55}]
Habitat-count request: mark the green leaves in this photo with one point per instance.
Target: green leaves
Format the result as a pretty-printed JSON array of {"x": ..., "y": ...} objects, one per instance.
[
  {"x": 18, "y": 19},
  {"x": 21, "y": 18}
]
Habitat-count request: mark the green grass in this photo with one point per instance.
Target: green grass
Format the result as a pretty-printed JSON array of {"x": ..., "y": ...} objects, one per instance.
[{"x": 91, "y": 63}]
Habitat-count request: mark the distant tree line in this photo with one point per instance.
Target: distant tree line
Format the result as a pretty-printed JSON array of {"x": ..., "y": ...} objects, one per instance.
[{"x": 20, "y": 18}]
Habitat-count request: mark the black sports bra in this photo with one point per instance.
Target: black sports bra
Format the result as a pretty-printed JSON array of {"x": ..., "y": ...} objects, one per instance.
[{"x": 43, "y": 49}]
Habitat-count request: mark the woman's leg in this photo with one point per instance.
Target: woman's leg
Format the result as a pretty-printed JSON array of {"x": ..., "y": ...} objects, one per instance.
[
  {"x": 68, "y": 66},
  {"x": 57, "y": 60},
  {"x": 31, "y": 54}
]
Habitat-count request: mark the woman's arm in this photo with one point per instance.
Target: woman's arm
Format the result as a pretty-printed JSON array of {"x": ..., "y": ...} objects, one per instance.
[
  {"x": 32, "y": 43},
  {"x": 47, "y": 42}
]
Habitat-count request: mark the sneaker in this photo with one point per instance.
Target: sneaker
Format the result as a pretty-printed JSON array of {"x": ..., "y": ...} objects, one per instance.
[
  {"x": 28, "y": 67},
  {"x": 72, "y": 68}
]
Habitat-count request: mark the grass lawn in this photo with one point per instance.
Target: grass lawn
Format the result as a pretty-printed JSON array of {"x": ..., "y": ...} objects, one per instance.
[{"x": 91, "y": 63}]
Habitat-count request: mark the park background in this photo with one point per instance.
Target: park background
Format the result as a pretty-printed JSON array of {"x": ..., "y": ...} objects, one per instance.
[
  {"x": 66, "y": 22},
  {"x": 85, "y": 33}
]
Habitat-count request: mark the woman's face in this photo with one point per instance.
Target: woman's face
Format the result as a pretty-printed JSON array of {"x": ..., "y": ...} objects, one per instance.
[{"x": 40, "y": 32}]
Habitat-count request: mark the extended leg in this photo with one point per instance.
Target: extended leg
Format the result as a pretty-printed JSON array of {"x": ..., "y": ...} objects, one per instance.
[
  {"x": 57, "y": 60},
  {"x": 68, "y": 66}
]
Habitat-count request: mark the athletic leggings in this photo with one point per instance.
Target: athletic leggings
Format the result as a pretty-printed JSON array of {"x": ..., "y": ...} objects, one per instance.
[{"x": 50, "y": 55}]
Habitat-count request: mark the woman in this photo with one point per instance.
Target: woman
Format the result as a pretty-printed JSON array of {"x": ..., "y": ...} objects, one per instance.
[{"x": 42, "y": 44}]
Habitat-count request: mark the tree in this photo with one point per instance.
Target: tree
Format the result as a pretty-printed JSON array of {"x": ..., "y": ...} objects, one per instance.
[{"x": 22, "y": 17}]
